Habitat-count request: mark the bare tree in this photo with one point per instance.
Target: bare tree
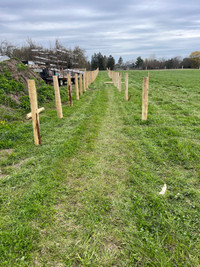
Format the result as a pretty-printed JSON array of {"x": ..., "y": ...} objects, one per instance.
[{"x": 6, "y": 48}]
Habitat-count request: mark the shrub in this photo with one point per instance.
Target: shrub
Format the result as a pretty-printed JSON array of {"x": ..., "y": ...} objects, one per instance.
[
  {"x": 24, "y": 102},
  {"x": 45, "y": 93},
  {"x": 9, "y": 85},
  {"x": 7, "y": 100}
]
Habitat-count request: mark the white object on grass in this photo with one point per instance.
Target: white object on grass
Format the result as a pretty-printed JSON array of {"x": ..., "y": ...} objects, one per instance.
[{"x": 162, "y": 192}]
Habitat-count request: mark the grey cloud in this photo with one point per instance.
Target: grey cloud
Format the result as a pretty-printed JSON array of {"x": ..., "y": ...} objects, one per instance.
[{"x": 131, "y": 28}]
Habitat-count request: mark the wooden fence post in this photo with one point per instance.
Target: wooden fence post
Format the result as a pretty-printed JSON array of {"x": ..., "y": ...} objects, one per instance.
[
  {"x": 81, "y": 84},
  {"x": 69, "y": 86},
  {"x": 120, "y": 82},
  {"x": 84, "y": 81},
  {"x": 57, "y": 97},
  {"x": 145, "y": 98},
  {"x": 126, "y": 86},
  {"x": 34, "y": 111},
  {"x": 117, "y": 80},
  {"x": 76, "y": 85},
  {"x": 88, "y": 79}
]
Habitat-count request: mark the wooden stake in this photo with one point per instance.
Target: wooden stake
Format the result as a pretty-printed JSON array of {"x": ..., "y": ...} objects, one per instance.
[
  {"x": 120, "y": 82},
  {"x": 126, "y": 86},
  {"x": 29, "y": 115},
  {"x": 76, "y": 85},
  {"x": 81, "y": 84},
  {"x": 69, "y": 89},
  {"x": 34, "y": 111},
  {"x": 57, "y": 97},
  {"x": 145, "y": 98},
  {"x": 84, "y": 81},
  {"x": 117, "y": 76}
]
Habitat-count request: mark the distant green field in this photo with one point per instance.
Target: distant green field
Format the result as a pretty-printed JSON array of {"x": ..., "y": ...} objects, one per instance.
[{"x": 89, "y": 195}]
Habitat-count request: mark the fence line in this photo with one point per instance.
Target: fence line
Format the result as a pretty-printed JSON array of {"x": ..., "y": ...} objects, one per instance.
[
  {"x": 91, "y": 77},
  {"x": 85, "y": 81},
  {"x": 116, "y": 80}
]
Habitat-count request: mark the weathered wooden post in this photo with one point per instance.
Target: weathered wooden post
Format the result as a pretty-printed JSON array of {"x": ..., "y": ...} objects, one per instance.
[
  {"x": 81, "y": 84},
  {"x": 69, "y": 89},
  {"x": 126, "y": 86},
  {"x": 87, "y": 80},
  {"x": 116, "y": 75},
  {"x": 57, "y": 97},
  {"x": 34, "y": 111},
  {"x": 145, "y": 98},
  {"x": 120, "y": 82},
  {"x": 115, "y": 79},
  {"x": 76, "y": 85},
  {"x": 84, "y": 81}
]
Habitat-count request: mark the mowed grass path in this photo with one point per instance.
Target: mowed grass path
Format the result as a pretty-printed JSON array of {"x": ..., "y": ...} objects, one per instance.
[{"x": 89, "y": 196}]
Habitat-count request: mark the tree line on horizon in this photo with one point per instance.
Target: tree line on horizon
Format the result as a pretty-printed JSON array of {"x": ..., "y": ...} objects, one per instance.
[
  {"x": 76, "y": 58},
  {"x": 153, "y": 63},
  {"x": 103, "y": 62}
]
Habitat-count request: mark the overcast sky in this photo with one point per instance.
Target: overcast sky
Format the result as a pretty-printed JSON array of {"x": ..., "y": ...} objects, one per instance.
[{"x": 129, "y": 28}]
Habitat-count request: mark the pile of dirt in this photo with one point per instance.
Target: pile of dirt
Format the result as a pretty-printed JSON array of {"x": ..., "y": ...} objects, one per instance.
[
  {"x": 14, "y": 76},
  {"x": 19, "y": 72}
]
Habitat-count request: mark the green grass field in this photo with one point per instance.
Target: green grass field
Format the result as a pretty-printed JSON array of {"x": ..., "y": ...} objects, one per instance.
[{"x": 89, "y": 195}]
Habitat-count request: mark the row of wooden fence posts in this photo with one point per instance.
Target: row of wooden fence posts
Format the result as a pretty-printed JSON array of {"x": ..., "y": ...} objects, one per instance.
[
  {"x": 116, "y": 79},
  {"x": 90, "y": 77},
  {"x": 84, "y": 82}
]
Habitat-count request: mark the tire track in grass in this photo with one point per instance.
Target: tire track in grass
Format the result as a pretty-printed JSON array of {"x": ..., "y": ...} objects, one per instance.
[{"x": 88, "y": 223}]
